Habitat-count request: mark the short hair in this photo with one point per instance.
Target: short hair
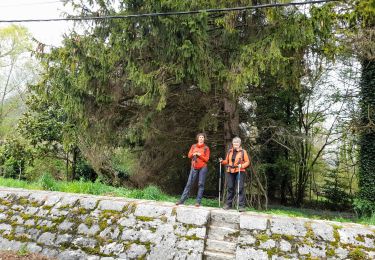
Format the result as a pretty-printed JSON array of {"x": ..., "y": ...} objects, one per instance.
[
  {"x": 201, "y": 134},
  {"x": 236, "y": 140}
]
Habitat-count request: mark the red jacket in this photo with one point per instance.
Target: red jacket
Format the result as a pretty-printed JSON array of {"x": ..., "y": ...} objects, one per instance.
[
  {"x": 200, "y": 161},
  {"x": 233, "y": 167}
]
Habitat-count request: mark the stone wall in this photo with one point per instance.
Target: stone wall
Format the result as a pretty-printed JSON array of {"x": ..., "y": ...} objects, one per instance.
[{"x": 72, "y": 226}]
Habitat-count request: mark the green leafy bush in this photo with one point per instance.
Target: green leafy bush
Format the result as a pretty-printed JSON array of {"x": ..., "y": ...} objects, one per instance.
[
  {"x": 14, "y": 157},
  {"x": 48, "y": 182},
  {"x": 364, "y": 207}
]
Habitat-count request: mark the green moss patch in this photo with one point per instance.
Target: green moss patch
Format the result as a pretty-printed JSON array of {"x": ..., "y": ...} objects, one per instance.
[
  {"x": 357, "y": 254},
  {"x": 5, "y": 202},
  {"x": 145, "y": 219},
  {"x": 262, "y": 237}
]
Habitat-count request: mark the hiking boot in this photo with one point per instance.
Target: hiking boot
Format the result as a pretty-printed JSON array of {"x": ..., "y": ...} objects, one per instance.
[
  {"x": 241, "y": 209},
  {"x": 226, "y": 207},
  {"x": 179, "y": 202},
  {"x": 197, "y": 204}
]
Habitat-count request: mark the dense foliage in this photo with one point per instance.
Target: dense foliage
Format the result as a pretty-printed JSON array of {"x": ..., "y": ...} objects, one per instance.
[{"x": 122, "y": 99}]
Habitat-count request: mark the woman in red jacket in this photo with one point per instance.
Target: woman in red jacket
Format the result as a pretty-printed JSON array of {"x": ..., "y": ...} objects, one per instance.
[
  {"x": 199, "y": 154},
  {"x": 236, "y": 160}
]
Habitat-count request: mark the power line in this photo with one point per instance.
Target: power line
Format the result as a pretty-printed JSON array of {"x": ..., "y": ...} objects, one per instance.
[
  {"x": 216, "y": 10},
  {"x": 30, "y": 3}
]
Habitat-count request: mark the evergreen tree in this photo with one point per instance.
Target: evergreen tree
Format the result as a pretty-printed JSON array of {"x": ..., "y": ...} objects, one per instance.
[{"x": 156, "y": 81}]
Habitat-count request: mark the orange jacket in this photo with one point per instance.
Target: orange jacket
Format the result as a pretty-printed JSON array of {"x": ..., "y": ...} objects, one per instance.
[
  {"x": 200, "y": 161},
  {"x": 233, "y": 167}
]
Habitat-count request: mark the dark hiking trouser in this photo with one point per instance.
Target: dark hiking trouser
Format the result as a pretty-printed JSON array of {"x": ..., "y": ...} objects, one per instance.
[
  {"x": 232, "y": 180},
  {"x": 192, "y": 177}
]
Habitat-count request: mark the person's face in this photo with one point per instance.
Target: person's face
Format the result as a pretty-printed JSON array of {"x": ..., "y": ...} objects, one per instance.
[
  {"x": 236, "y": 145},
  {"x": 201, "y": 139}
]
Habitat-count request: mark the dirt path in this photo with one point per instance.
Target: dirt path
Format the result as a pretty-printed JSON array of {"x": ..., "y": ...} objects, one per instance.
[{"x": 9, "y": 255}]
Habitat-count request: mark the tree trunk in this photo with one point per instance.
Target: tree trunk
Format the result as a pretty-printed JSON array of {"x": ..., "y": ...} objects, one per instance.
[
  {"x": 67, "y": 166},
  {"x": 231, "y": 124},
  {"x": 286, "y": 175},
  {"x": 74, "y": 163},
  {"x": 367, "y": 136}
]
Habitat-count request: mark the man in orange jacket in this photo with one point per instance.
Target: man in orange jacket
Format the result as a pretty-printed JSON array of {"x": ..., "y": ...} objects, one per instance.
[
  {"x": 199, "y": 154},
  {"x": 236, "y": 160}
]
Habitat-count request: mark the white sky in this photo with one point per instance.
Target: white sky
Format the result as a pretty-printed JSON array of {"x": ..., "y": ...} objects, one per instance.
[{"x": 49, "y": 33}]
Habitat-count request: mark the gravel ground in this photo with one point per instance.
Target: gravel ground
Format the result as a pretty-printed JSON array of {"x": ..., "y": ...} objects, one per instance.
[{"x": 8, "y": 255}]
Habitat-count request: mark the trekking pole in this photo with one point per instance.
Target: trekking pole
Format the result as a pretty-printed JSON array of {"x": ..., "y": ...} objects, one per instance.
[
  {"x": 238, "y": 187},
  {"x": 219, "y": 182}
]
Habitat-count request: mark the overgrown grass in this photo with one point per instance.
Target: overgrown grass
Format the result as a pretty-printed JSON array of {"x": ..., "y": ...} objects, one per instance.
[{"x": 46, "y": 182}]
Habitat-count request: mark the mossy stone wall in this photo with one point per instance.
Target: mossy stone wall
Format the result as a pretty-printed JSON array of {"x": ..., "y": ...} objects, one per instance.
[{"x": 73, "y": 226}]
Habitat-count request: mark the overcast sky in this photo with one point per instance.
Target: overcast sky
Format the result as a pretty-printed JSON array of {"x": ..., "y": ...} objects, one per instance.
[{"x": 47, "y": 32}]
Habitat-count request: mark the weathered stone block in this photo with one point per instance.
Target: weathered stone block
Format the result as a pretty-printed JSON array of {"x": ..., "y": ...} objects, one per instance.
[
  {"x": 33, "y": 248},
  {"x": 268, "y": 244},
  {"x": 289, "y": 257},
  {"x": 112, "y": 205},
  {"x": 29, "y": 222},
  {"x": 52, "y": 200},
  {"x": 47, "y": 238},
  {"x": 54, "y": 212},
  {"x": 19, "y": 230},
  {"x": 322, "y": 231},
  {"x": 17, "y": 219},
  {"x": 110, "y": 232},
  {"x": 248, "y": 221},
  {"x": 285, "y": 246},
  {"x": 356, "y": 235},
  {"x": 88, "y": 203},
  {"x": 112, "y": 248},
  {"x": 45, "y": 223},
  {"x": 63, "y": 239},
  {"x": 341, "y": 253},
  {"x": 147, "y": 236},
  {"x": 192, "y": 216},
  {"x": 4, "y": 193},
  {"x": 128, "y": 221},
  {"x": 31, "y": 210},
  {"x": 38, "y": 197},
  {"x": 85, "y": 242},
  {"x": 93, "y": 230},
  {"x": 194, "y": 245},
  {"x": 152, "y": 210},
  {"x": 3, "y": 208},
  {"x": 230, "y": 219},
  {"x": 71, "y": 255},
  {"x": 34, "y": 233},
  {"x": 288, "y": 226},
  {"x": 93, "y": 257},
  {"x": 5, "y": 243},
  {"x": 246, "y": 239},
  {"x": 187, "y": 255},
  {"x": 130, "y": 235},
  {"x": 50, "y": 252},
  {"x": 153, "y": 224},
  {"x": 67, "y": 201},
  {"x": 250, "y": 254},
  {"x": 197, "y": 232},
  {"x": 166, "y": 248},
  {"x": 65, "y": 225},
  {"x": 313, "y": 251},
  {"x": 136, "y": 251},
  {"x": 42, "y": 213},
  {"x": 5, "y": 227}
]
